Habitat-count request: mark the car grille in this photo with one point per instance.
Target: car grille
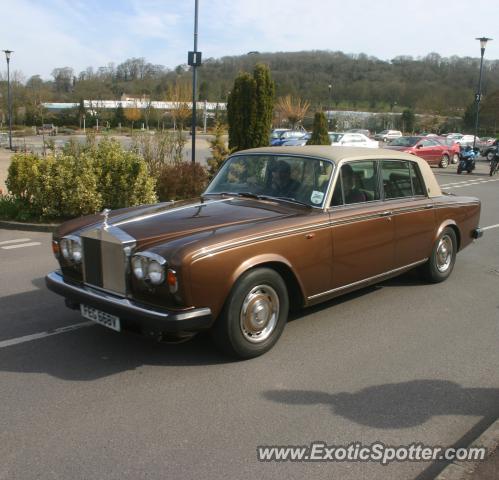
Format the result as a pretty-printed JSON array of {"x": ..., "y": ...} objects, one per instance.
[{"x": 105, "y": 258}]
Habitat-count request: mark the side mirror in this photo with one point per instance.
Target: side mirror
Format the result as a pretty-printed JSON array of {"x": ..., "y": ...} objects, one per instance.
[{"x": 419, "y": 146}]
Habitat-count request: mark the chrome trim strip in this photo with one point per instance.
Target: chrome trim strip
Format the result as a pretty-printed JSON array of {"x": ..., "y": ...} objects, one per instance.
[
  {"x": 332, "y": 223},
  {"x": 211, "y": 251},
  {"x": 55, "y": 278},
  {"x": 366, "y": 280},
  {"x": 164, "y": 212}
]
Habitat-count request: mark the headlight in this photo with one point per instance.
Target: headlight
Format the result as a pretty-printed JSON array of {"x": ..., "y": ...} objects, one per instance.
[
  {"x": 155, "y": 272},
  {"x": 70, "y": 247},
  {"x": 138, "y": 267},
  {"x": 149, "y": 267}
]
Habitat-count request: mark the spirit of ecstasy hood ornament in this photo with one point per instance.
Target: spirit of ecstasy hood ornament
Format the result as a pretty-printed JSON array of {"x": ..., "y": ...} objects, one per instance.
[{"x": 105, "y": 214}]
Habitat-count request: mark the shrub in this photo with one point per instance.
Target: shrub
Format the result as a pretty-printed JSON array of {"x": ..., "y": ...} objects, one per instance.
[
  {"x": 79, "y": 181},
  {"x": 181, "y": 180},
  {"x": 123, "y": 176},
  {"x": 219, "y": 151}
]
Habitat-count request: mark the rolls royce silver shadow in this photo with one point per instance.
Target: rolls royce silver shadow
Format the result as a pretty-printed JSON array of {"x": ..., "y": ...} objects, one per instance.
[{"x": 277, "y": 227}]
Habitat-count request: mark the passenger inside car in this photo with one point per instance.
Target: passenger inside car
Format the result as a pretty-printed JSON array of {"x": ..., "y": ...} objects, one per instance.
[{"x": 357, "y": 183}]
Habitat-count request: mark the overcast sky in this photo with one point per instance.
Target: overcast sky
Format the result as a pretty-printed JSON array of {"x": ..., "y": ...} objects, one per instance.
[{"x": 46, "y": 34}]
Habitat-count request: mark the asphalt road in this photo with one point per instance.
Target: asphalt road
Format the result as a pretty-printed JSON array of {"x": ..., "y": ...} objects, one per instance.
[{"x": 399, "y": 363}]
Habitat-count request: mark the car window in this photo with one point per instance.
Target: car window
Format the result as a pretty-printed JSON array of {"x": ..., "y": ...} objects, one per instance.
[
  {"x": 427, "y": 143},
  {"x": 397, "y": 179},
  {"x": 301, "y": 179},
  {"x": 416, "y": 179},
  {"x": 357, "y": 182},
  {"x": 404, "y": 141}
]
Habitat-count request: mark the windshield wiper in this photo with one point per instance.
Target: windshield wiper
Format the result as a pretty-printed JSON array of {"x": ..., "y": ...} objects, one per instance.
[
  {"x": 291, "y": 199},
  {"x": 229, "y": 194},
  {"x": 249, "y": 195}
]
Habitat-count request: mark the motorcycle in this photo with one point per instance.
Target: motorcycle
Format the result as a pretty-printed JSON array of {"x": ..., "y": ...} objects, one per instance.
[
  {"x": 466, "y": 160},
  {"x": 494, "y": 164}
]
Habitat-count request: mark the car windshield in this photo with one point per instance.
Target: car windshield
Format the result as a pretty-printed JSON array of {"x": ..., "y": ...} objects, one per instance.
[
  {"x": 277, "y": 133},
  {"x": 335, "y": 137},
  {"x": 289, "y": 178},
  {"x": 404, "y": 142}
]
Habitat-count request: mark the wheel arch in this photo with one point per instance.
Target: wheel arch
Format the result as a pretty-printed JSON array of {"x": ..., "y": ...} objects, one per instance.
[
  {"x": 283, "y": 267},
  {"x": 449, "y": 224}
]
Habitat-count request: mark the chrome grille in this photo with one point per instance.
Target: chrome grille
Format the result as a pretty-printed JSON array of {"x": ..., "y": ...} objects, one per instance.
[{"x": 105, "y": 258}]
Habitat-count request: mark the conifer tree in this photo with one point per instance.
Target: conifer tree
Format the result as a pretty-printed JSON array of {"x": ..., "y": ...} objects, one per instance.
[
  {"x": 249, "y": 109},
  {"x": 319, "y": 131}
]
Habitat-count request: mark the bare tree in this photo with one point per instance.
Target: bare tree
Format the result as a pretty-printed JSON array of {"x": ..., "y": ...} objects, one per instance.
[
  {"x": 294, "y": 109},
  {"x": 180, "y": 96}
]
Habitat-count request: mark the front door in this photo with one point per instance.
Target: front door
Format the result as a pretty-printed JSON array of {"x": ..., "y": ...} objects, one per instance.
[{"x": 362, "y": 227}]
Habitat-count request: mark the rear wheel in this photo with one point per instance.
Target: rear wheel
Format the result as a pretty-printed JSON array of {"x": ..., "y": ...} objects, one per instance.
[
  {"x": 444, "y": 162},
  {"x": 254, "y": 315},
  {"x": 443, "y": 257}
]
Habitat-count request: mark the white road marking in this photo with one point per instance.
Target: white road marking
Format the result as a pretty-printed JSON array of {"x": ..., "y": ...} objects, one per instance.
[
  {"x": 37, "y": 336},
  {"x": 19, "y": 240},
  {"x": 491, "y": 226},
  {"x": 22, "y": 245},
  {"x": 467, "y": 183}
]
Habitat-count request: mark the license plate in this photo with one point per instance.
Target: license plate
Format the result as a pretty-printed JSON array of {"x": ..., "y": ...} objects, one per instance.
[{"x": 109, "y": 321}]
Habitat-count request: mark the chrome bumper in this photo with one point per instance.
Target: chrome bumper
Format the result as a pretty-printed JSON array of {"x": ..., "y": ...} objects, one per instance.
[
  {"x": 133, "y": 316},
  {"x": 477, "y": 233}
]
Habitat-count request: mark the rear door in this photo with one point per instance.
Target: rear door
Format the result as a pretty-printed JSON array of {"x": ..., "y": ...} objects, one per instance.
[{"x": 412, "y": 211}]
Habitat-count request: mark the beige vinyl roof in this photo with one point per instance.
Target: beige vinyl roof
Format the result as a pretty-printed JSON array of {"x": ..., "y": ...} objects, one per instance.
[{"x": 342, "y": 154}]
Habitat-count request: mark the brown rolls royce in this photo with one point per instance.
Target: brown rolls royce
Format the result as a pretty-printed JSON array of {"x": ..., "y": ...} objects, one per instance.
[{"x": 276, "y": 227}]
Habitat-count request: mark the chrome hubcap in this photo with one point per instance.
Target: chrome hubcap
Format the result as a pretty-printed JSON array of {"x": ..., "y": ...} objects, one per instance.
[
  {"x": 259, "y": 313},
  {"x": 444, "y": 253}
]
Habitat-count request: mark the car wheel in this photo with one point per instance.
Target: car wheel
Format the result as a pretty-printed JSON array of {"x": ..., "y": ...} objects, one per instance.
[
  {"x": 455, "y": 158},
  {"x": 254, "y": 314},
  {"x": 444, "y": 162},
  {"x": 443, "y": 257}
]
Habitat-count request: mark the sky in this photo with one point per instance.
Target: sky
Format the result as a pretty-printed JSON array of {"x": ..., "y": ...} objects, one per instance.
[{"x": 48, "y": 34}]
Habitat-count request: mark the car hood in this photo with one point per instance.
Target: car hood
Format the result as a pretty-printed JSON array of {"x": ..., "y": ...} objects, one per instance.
[{"x": 167, "y": 221}]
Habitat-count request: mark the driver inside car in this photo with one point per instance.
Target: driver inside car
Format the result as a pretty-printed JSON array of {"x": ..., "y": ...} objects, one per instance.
[{"x": 283, "y": 185}]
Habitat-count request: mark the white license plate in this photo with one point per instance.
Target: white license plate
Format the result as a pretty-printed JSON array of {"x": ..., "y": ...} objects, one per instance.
[{"x": 109, "y": 321}]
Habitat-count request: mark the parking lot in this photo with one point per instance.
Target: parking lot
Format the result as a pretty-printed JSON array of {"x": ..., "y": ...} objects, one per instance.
[{"x": 399, "y": 363}]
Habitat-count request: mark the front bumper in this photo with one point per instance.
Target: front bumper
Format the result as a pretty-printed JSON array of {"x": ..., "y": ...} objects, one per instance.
[{"x": 133, "y": 316}]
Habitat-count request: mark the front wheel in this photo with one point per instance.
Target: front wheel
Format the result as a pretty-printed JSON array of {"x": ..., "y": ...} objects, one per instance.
[
  {"x": 254, "y": 314},
  {"x": 444, "y": 162},
  {"x": 442, "y": 259}
]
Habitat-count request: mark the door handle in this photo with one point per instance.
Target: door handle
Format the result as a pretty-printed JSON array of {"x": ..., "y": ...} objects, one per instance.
[
  {"x": 386, "y": 213},
  {"x": 429, "y": 205}
]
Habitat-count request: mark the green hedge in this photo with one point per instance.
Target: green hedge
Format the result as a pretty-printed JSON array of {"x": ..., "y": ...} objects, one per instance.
[{"x": 78, "y": 181}]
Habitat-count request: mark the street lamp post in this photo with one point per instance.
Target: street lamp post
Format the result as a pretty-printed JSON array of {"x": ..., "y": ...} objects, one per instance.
[
  {"x": 9, "y": 100},
  {"x": 478, "y": 96},
  {"x": 194, "y": 60},
  {"x": 330, "y": 87}
]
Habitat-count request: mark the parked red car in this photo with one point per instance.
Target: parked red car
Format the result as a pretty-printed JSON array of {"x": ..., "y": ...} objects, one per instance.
[
  {"x": 452, "y": 145},
  {"x": 430, "y": 149}
]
